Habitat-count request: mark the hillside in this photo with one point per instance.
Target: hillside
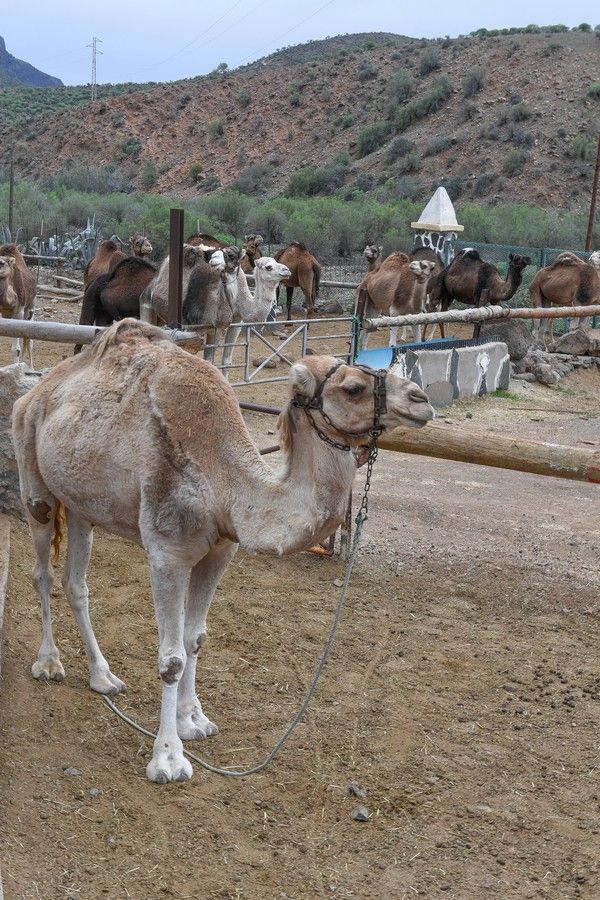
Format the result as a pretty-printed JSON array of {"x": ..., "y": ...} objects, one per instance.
[
  {"x": 495, "y": 118},
  {"x": 14, "y": 71}
]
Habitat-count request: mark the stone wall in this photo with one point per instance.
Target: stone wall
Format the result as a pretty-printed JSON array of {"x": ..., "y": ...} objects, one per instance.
[{"x": 14, "y": 382}]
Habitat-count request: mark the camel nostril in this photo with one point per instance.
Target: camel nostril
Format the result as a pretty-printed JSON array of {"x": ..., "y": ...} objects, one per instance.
[{"x": 416, "y": 395}]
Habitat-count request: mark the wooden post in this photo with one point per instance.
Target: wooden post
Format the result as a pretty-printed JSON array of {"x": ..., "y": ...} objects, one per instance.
[
  {"x": 590, "y": 229},
  {"x": 175, "y": 268},
  {"x": 11, "y": 192},
  {"x": 59, "y": 281},
  {"x": 453, "y": 442}
]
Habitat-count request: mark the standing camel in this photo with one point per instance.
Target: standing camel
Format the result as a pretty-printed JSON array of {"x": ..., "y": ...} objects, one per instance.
[
  {"x": 253, "y": 252},
  {"x": 474, "y": 282},
  {"x": 188, "y": 484},
  {"x": 108, "y": 255},
  {"x": 155, "y": 297},
  {"x": 306, "y": 274},
  {"x": 17, "y": 295},
  {"x": 398, "y": 287},
  {"x": 569, "y": 281},
  {"x": 374, "y": 256}
]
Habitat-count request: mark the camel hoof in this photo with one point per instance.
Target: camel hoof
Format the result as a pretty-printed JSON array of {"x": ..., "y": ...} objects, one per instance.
[
  {"x": 48, "y": 668},
  {"x": 195, "y": 726},
  {"x": 166, "y": 766},
  {"x": 107, "y": 683}
]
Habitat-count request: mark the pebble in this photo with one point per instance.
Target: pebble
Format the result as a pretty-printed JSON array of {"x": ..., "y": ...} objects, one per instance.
[
  {"x": 469, "y": 415},
  {"x": 360, "y": 814},
  {"x": 357, "y": 791},
  {"x": 94, "y": 792},
  {"x": 338, "y": 582},
  {"x": 71, "y": 771}
]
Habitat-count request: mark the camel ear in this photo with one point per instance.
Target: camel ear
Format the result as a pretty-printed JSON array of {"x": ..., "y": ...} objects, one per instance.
[
  {"x": 258, "y": 239},
  {"x": 302, "y": 381},
  {"x": 247, "y": 237},
  {"x": 242, "y": 253}
]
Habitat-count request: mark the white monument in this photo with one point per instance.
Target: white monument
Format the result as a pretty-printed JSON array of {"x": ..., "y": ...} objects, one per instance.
[{"x": 437, "y": 226}]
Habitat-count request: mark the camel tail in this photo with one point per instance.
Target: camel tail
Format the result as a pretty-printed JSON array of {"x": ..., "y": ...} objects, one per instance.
[{"x": 58, "y": 532}]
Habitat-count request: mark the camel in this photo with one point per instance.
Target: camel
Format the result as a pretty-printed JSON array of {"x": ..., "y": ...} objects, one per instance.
[
  {"x": 155, "y": 297},
  {"x": 186, "y": 483},
  {"x": 18, "y": 286},
  {"x": 116, "y": 295},
  {"x": 108, "y": 255},
  {"x": 569, "y": 281},
  {"x": 398, "y": 287},
  {"x": 474, "y": 282},
  {"x": 306, "y": 274},
  {"x": 253, "y": 252},
  {"x": 221, "y": 306},
  {"x": 373, "y": 255},
  {"x": 594, "y": 259}
]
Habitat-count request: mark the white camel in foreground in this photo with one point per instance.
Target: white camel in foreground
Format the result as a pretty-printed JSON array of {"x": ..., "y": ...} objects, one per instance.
[{"x": 171, "y": 465}]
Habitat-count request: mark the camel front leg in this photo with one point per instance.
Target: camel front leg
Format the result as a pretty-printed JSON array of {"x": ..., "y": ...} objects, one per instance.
[
  {"x": 231, "y": 338},
  {"x": 75, "y": 586},
  {"x": 169, "y": 578},
  {"x": 192, "y": 724},
  {"x": 47, "y": 666}
]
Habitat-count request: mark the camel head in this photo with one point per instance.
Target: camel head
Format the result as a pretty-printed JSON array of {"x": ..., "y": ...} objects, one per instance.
[
  {"x": 253, "y": 242},
  {"x": 518, "y": 261},
  {"x": 6, "y": 264},
  {"x": 372, "y": 252},
  {"x": 422, "y": 269},
  {"x": 140, "y": 245},
  {"x": 270, "y": 269},
  {"x": 232, "y": 257},
  {"x": 594, "y": 259},
  {"x": 348, "y": 399}
]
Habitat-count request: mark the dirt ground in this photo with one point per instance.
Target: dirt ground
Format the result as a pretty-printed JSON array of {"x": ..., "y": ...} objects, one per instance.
[{"x": 463, "y": 694}]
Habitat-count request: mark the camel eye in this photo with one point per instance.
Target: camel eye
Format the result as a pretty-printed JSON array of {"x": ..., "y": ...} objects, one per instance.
[
  {"x": 354, "y": 389},
  {"x": 269, "y": 268}
]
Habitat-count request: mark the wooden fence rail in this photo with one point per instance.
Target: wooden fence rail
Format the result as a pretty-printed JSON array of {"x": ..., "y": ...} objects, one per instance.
[{"x": 483, "y": 314}]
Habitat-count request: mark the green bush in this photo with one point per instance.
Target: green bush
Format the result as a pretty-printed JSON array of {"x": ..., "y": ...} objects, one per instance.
[
  {"x": 594, "y": 90},
  {"x": 520, "y": 112},
  {"x": 366, "y": 72},
  {"x": 400, "y": 86},
  {"x": 398, "y": 148},
  {"x": 372, "y": 138},
  {"x": 311, "y": 181},
  {"x": 430, "y": 61},
  {"x": 582, "y": 147},
  {"x": 473, "y": 82},
  {"x": 129, "y": 149},
  {"x": 346, "y": 120},
  {"x": 149, "y": 174},
  {"x": 195, "y": 170},
  {"x": 514, "y": 162},
  {"x": 410, "y": 163},
  {"x": 294, "y": 95},
  {"x": 407, "y": 115},
  {"x": 215, "y": 129},
  {"x": 244, "y": 98},
  {"x": 252, "y": 180}
]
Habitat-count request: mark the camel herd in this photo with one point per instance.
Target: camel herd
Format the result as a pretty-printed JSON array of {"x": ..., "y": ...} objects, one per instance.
[{"x": 403, "y": 285}]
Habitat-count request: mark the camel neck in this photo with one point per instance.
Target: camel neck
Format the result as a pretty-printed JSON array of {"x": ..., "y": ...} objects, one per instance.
[{"x": 283, "y": 512}]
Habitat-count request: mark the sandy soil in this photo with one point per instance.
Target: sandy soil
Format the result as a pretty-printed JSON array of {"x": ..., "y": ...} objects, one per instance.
[{"x": 463, "y": 694}]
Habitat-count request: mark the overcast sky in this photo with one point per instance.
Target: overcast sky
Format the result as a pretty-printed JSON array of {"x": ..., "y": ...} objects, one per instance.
[{"x": 170, "y": 39}]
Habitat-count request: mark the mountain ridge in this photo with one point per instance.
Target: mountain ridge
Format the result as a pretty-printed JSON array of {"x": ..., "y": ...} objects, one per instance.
[{"x": 17, "y": 72}]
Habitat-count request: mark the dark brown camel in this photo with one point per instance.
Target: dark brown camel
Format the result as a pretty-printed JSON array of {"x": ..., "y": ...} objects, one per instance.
[
  {"x": 253, "y": 251},
  {"x": 569, "y": 281},
  {"x": 306, "y": 274},
  {"x": 108, "y": 255},
  {"x": 474, "y": 282},
  {"x": 116, "y": 294}
]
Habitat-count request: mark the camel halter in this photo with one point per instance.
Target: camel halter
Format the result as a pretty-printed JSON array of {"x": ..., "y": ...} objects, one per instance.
[{"x": 316, "y": 403}]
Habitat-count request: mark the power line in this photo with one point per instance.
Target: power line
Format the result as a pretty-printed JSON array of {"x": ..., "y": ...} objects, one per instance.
[
  {"x": 289, "y": 31},
  {"x": 198, "y": 36}
]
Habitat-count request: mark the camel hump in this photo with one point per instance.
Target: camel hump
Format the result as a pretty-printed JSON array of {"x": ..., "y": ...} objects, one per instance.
[
  {"x": 566, "y": 259},
  {"x": 299, "y": 246},
  {"x": 130, "y": 265},
  {"x": 126, "y": 331},
  {"x": 108, "y": 246},
  {"x": 12, "y": 250},
  {"x": 469, "y": 253}
]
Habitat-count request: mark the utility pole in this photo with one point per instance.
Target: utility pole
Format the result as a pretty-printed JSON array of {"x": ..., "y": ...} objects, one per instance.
[
  {"x": 11, "y": 191},
  {"x": 95, "y": 51},
  {"x": 590, "y": 231}
]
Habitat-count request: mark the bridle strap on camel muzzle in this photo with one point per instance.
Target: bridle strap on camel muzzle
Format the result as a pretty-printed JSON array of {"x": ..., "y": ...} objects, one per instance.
[{"x": 316, "y": 403}]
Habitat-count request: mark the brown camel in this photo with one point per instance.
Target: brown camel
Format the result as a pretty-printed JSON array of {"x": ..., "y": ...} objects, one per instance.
[
  {"x": 116, "y": 294},
  {"x": 306, "y": 274},
  {"x": 398, "y": 287},
  {"x": 569, "y": 281},
  {"x": 17, "y": 294},
  {"x": 148, "y": 441},
  {"x": 253, "y": 252},
  {"x": 374, "y": 256},
  {"x": 108, "y": 255},
  {"x": 474, "y": 282}
]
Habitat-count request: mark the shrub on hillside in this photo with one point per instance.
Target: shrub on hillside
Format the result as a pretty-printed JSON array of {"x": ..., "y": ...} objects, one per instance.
[
  {"x": 582, "y": 147},
  {"x": 398, "y": 148},
  {"x": 366, "y": 71},
  {"x": 215, "y": 129},
  {"x": 149, "y": 174},
  {"x": 421, "y": 106},
  {"x": 520, "y": 112},
  {"x": 311, "y": 181},
  {"x": 129, "y": 149},
  {"x": 243, "y": 98},
  {"x": 372, "y": 138},
  {"x": 594, "y": 90},
  {"x": 473, "y": 82},
  {"x": 400, "y": 86},
  {"x": 430, "y": 61},
  {"x": 409, "y": 164},
  {"x": 514, "y": 162},
  {"x": 438, "y": 145},
  {"x": 252, "y": 180}
]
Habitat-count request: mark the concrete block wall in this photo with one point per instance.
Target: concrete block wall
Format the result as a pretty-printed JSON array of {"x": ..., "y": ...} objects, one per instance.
[{"x": 447, "y": 375}]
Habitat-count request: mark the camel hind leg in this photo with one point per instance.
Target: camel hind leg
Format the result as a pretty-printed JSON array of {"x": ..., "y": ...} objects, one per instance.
[
  {"x": 75, "y": 586},
  {"x": 47, "y": 666}
]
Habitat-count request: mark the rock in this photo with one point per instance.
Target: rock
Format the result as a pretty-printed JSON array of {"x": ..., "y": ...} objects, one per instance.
[
  {"x": 357, "y": 791},
  {"x": 71, "y": 771},
  {"x": 94, "y": 792},
  {"x": 329, "y": 308},
  {"x": 545, "y": 374},
  {"x": 513, "y": 332},
  {"x": 577, "y": 343},
  {"x": 526, "y": 376},
  {"x": 360, "y": 814},
  {"x": 259, "y": 360},
  {"x": 469, "y": 415}
]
